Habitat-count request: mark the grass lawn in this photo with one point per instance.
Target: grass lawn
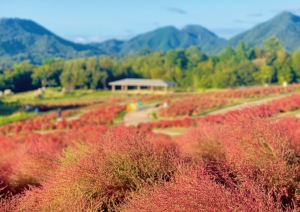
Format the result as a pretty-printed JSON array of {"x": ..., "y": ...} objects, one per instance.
[
  {"x": 119, "y": 118},
  {"x": 17, "y": 116},
  {"x": 53, "y": 95},
  {"x": 292, "y": 113}
]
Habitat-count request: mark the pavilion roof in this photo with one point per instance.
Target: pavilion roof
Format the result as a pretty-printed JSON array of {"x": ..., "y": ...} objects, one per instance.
[{"x": 143, "y": 82}]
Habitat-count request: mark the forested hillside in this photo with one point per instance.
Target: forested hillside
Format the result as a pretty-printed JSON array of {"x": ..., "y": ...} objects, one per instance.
[
  {"x": 22, "y": 40},
  {"x": 190, "y": 68},
  {"x": 285, "y": 26},
  {"x": 26, "y": 40}
]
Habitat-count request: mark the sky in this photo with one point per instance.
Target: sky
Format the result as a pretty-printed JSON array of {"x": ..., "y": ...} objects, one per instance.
[{"x": 99, "y": 20}]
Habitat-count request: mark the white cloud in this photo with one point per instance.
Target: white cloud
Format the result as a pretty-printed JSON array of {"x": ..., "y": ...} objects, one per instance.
[
  {"x": 80, "y": 40},
  {"x": 100, "y": 38}
]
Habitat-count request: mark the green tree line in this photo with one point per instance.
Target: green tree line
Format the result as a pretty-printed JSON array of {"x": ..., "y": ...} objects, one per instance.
[{"x": 242, "y": 66}]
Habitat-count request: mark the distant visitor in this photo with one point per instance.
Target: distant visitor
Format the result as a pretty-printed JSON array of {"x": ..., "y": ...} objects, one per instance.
[{"x": 58, "y": 113}]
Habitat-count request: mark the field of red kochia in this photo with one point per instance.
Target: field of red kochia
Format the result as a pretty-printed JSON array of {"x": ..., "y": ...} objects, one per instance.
[
  {"x": 101, "y": 114},
  {"x": 274, "y": 107},
  {"x": 248, "y": 162},
  {"x": 194, "y": 104},
  {"x": 244, "y": 160}
]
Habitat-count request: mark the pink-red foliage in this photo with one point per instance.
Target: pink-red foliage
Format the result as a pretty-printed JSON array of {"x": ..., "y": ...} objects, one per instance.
[
  {"x": 198, "y": 191},
  {"x": 98, "y": 176},
  {"x": 250, "y": 146}
]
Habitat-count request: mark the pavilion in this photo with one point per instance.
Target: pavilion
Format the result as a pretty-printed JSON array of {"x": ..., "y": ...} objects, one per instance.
[{"x": 151, "y": 84}]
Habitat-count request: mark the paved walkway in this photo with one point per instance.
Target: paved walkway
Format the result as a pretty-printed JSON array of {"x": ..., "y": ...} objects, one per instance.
[{"x": 140, "y": 115}]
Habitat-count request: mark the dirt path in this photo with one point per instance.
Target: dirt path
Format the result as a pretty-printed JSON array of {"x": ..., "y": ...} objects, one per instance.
[
  {"x": 75, "y": 117},
  {"x": 140, "y": 115},
  {"x": 166, "y": 132},
  {"x": 246, "y": 104}
]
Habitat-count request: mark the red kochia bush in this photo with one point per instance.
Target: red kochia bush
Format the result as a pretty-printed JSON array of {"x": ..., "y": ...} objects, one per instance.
[
  {"x": 100, "y": 175},
  {"x": 28, "y": 158},
  {"x": 262, "y": 145},
  {"x": 251, "y": 146},
  {"x": 197, "y": 191}
]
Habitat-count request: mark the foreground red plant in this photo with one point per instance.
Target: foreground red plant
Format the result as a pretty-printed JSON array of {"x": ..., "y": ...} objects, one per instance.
[
  {"x": 198, "y": 191},
  {"x": 28, "y": 158},
  {"x": 250, "y": 146},
  {"x": 100, "y": 175}
]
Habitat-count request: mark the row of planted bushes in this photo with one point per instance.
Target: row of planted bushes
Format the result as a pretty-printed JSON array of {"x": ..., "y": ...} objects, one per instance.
[
  {"x": 246, "y": 163},
  {"x": 100, "y": 114},
  {"x": 243, "y": 161},
  {"x": 194, "y": 104},
  {"x": 274, "y": 107}
]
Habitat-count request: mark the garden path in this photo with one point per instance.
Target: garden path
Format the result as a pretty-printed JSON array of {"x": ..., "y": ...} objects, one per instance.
[{"x": 142, "y": 115}]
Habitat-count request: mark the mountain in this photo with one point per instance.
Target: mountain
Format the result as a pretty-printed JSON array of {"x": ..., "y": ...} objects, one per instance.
[
  {"x": 164, "y": 39},
  {"x": 110, "y": 46},
  {"x": 26, "y": 40},
  {"x": 285, "y": 26}
]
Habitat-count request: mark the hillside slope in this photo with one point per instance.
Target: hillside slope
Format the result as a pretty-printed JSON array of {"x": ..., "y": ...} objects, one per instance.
[
  {"x": 285, "y": 26},
  {"x": 26, "y": 40}
]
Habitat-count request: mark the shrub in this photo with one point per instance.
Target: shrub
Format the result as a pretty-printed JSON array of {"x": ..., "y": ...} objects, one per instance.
[
  {"x": 198, "y": 191},
  {"x": 99, "y": 176},
  {"x": 249, "y": 145}
]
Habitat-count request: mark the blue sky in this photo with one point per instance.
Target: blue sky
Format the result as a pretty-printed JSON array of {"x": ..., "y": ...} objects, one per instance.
[{"x": 99, "y": 20}]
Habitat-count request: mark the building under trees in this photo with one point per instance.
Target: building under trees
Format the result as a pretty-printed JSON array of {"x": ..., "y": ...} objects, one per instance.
[{"x": 143, "y": 85}]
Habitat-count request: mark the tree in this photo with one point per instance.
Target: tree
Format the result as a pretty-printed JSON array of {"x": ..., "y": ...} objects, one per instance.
[
  {"x": 242, "y": 51},
  {"x": 264, "y": 74},
  {"x": 284, "y": 74},
  {"x": 295, "y": 64},
  {"x": 74, "y": 74},
  {"x": 43, "y": 75},
  {"x": 175, "y": 58},
  {"x": 20, "y": 77},
  {"x": 272, "y": 44},
  {"x": 227, "y": 54},
  {"x": 194, "y": 55}
]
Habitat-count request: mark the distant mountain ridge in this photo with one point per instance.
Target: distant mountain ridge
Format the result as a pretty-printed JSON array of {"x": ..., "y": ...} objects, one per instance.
[
  {"x": 164, "y": 39},
  {"x": 26, "y": 40},
  {"x": 285, "y": 26}
]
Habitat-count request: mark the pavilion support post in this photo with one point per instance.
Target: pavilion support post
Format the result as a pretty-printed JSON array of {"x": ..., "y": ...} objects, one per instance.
[
  {"x": 166, "y": 89},
  {"x": 152, "y": 89},
  {"x": 113, "y": 88},
  {"x": 138, "y": 88}
]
